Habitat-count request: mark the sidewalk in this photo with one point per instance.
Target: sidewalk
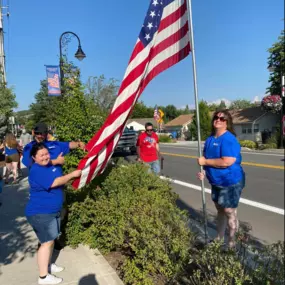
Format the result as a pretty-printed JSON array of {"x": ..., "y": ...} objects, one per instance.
[{"x": 18, "y": 245}]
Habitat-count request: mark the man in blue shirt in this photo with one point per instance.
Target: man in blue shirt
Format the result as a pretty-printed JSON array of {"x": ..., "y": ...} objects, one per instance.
[{"x": 56, "y": 149}]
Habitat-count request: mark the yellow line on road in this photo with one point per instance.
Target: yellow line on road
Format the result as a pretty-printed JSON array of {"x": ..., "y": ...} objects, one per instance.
[{"x": 244, "y": 163}]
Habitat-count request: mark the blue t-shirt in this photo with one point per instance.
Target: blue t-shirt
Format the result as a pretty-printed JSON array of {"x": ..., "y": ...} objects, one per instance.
[
  {"x": 225, "y": 145},
  {"x": 9, "y": 151},
  {"x": 44, "y": 199},
  {"x": 54, "y": 148}
]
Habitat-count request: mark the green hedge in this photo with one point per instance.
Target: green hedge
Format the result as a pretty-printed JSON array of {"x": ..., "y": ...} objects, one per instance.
[
  {"x": 135, "y": 213},
  {"x": 165, "y": 139},
  {"x": 248, "y": 144}
]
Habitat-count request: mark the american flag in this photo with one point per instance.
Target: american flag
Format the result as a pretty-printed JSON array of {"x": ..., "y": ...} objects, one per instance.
[
  {"x": 156, "y": 114},
  {"x": 163, "y": 41}
]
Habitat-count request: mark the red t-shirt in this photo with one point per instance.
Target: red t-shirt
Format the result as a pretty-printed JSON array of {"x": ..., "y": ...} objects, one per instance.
[{"x": 147, "y": 144}]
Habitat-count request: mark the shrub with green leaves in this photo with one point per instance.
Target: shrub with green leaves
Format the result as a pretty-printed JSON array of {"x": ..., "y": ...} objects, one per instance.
[
  {"x": 213, "y": 266},
  {"x": 248, "y": 144},
  {"x": 165, "y": 139},
  {"x": 135, "y": 213}
]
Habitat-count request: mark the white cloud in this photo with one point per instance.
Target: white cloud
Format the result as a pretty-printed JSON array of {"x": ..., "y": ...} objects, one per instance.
[{"x": 218, "y": 101}]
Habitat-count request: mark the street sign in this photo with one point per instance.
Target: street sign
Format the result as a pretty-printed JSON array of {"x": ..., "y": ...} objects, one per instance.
[{"x": 161, "y": 114}]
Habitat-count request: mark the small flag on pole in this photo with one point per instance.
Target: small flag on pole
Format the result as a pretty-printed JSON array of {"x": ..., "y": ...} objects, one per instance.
[
  {"x": 163, "y": 41},
  {"x": 156, "y": 114}
]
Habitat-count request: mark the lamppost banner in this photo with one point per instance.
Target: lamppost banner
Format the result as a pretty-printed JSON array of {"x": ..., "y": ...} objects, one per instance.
[{"x": 53, "y": 80}]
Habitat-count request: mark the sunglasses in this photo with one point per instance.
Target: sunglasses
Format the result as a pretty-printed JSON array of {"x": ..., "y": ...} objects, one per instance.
[
  {"x": 149, "y": 130},
  {"x": 39, "y": 134},
  {"x": 222, "y": 119}
]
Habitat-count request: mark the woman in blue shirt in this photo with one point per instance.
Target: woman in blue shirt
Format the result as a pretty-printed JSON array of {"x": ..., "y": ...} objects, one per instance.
[
  {"x": 11, "y": 156},
  {"x": 44, "y": 206},
  {"x": 222, "y": 165}
]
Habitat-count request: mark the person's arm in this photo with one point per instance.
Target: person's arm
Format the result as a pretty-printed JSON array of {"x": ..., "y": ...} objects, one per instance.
[
  {"x": 157, "y": 149},
  {"x": 222, "y": 162},
  {"x": 66, "y": 178},
  {"x": 59, "y": 160},
  {"x": 74, "y": 145}
]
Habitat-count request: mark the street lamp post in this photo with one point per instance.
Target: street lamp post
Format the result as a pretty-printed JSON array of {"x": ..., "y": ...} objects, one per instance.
[
  {"x": 272, "y": 68},
  {"x": 80, "y": 55}
]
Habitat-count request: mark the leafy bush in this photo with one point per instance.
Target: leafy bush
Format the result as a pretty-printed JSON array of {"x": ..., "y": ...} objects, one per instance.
[
  {"x": 270, "y": 265},
  {"x": 135, "y": 213},
  {"x": 248, "y": 144},
  {"x": 269, "y": 146},
  {"x": 164, "y": 139},
  {"x": 213, "y": 266}
]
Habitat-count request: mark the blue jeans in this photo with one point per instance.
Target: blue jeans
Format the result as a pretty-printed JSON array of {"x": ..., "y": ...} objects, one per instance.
[{"x": 154, "y": 166}]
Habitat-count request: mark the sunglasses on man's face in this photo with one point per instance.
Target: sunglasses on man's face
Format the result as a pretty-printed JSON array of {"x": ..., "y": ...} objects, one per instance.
[
  {"x": 39, "y": 134},
  {"x": 149, "y": 130},
  {"x": 222, "y": 119}
]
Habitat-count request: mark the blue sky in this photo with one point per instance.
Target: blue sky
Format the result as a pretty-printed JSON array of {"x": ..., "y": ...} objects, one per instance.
[{"x": 231, "y": 41}]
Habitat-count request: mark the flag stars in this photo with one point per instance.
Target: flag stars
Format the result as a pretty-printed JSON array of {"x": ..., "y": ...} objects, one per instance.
[
  {"x": 147, "y": 37},
  {"x": 155, "y": 2},
  {"x": 150, "y": 25},
  {"x": 152, "y": 14}
]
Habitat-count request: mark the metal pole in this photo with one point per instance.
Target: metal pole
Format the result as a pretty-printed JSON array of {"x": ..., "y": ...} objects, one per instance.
[
  {"x": 197, "y": 112},
  {"x": 282, "y": 111}
]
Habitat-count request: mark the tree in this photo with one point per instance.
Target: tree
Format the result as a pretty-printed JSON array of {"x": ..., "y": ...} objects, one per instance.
[
  {"x": 103, "y": 93},
  {"x": 205, "y": 122},
  {"x": 171, "y": 112},
  {"x": 213, "y": 107},
  {"x": 222, "y": 105},
  {"x": 142, "y": 111},
  {"x": 44, "y": 109},
  {"x": 78, "y": 117},
  {"x": 8, "y": 102},
  {"x": 241, "y": 104},
  {"x": 186, "y": 110},
  {"x": 276, "y": 60}
]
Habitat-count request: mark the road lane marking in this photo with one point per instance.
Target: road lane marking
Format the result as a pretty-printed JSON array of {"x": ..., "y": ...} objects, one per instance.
[
  {"x": 247, "y": 152},
  {"x": 242, "y": 200},
  {"x": 243, "y": 163}
]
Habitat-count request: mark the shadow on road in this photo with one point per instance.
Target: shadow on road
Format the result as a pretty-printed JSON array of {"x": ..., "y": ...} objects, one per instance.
[
  {"x": 17, "y": 240},
  {"x": 88, "y": 280}
]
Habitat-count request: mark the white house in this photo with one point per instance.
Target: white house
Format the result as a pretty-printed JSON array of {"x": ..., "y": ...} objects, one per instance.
[
  {"x": 139, "y": 124},
  {"x": 251, "y": 122}
]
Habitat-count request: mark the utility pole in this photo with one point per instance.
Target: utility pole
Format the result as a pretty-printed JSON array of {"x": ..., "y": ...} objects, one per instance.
[{"x": 2, "y": 52}]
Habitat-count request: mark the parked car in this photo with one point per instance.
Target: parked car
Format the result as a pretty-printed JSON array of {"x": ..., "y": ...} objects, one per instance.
[
  {"x": 127, "y": 142},
  {"x": 165, "y": 133}
]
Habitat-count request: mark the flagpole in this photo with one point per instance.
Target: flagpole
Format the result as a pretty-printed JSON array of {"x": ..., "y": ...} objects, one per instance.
[{"x": 197, "y": 112}]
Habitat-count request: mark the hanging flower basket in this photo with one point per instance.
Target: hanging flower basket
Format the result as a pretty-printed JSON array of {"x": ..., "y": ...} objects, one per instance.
[{"x": 272, "y": 103}]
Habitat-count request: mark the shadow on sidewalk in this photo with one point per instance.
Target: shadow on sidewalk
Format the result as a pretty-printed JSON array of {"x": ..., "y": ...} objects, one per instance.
[
  {"x": 88, "y": 280},
  {"x": 17, "y": 240},
  {"x": 197, "y": 224}
]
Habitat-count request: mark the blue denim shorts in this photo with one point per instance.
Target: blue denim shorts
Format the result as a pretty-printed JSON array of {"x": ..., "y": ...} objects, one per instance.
[
  {"x": 228, "y": 196},
  {"x": 154, "y": 166},
  {"x": 46, "y": 226}
]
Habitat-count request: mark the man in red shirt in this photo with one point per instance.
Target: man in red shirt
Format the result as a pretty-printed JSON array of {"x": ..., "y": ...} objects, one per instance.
[{"x": 148, "y": 148}]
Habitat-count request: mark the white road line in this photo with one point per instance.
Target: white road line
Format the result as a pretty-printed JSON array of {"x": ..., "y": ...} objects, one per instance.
[
  {"x": 242, "y": 200},
  {"x": 196, "y": 148}
]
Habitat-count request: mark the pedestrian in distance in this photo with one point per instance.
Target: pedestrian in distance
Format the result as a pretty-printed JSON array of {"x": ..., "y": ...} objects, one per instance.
[
  {"x": 221, "y": 161},
  {"x": 44, "y": 206},
  {"x": 148, "y": 148},
  {"x": 12, "y": 157}
]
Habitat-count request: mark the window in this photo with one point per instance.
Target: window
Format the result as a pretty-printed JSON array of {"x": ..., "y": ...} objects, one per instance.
[
  {"x": 249, "y": 130},
  {"x": 256, "y": 128},
  {"x": 244, "y": 130}
]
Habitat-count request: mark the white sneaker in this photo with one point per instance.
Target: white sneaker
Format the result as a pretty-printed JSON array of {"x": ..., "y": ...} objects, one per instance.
[
  {"x": 53, "y": 268},
  {"x": 50, "y": 280}
]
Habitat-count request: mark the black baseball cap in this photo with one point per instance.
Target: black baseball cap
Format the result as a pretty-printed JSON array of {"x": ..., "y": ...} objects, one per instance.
[{"x": 41, "y": 128}]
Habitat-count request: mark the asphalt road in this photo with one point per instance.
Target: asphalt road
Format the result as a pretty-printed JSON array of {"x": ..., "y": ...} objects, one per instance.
[{"x": 265, "y": 184}]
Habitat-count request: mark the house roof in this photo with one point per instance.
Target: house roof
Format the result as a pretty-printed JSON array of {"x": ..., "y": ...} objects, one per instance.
[
  {"x": 246, "y": 115},
  {"x": 180, "y": 121},
  {"x": 143, "y": 121}
]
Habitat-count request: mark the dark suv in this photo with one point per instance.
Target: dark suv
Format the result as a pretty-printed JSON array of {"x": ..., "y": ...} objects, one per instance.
[{"x": 127, "y": 142}]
